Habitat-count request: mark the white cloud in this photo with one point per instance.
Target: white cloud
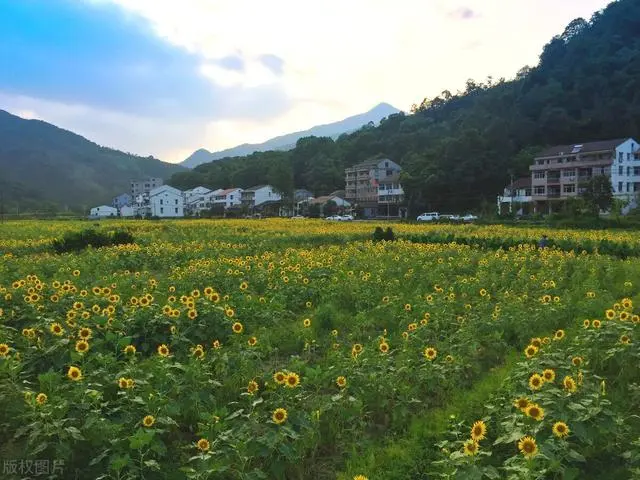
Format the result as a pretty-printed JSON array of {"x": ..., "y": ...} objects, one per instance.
[{"x": 339, "y": 58}]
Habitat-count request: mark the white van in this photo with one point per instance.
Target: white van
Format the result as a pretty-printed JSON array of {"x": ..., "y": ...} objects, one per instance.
[{"x": 428, "y": 217}]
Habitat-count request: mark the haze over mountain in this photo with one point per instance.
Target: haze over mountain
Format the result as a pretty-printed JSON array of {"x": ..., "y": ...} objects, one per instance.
[
  {"x": 288, "y": 141},
  {"x": 43, "y": 166}
]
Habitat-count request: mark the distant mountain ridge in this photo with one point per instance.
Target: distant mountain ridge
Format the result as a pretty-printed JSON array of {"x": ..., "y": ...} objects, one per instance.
[
  {"x": 41, "y": 164},
  {"x": 288, "y": 141}
]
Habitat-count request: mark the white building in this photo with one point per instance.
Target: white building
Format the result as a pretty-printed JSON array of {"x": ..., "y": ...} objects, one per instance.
[
  {"x": 256, "y": 196},
  {"x": 127, "y": 211},
  {"x": 165, "y": 201},
  {"x": 103, "y": 211},
  {"x": 195, "y": 193},
  {"x": 230, "y": 197},
  {"x": 515, "y": 196}
]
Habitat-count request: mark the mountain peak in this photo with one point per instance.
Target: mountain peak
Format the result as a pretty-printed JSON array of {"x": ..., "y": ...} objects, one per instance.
[{"x": 288, "y": 141}]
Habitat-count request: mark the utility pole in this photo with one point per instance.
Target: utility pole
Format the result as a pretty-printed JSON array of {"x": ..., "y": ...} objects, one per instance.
[{"x": 511, "y": 203}]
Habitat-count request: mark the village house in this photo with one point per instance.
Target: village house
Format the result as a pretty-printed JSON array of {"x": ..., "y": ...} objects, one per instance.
[
  {"x": 516, "y": 196},
  {"x": 121, "y": 200},
  {"x": 139, "y": 187},
  {"x": 103, "y": 211},
  {"x": 165, "y": 202},
  {"x": 260, "y": 198},
  {"x": 374, "y": 188},
  {"x": 231, "y": 197}
]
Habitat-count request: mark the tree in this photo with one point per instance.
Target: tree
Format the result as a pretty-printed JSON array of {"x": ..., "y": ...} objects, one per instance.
[{"x": 598, "y": 194}]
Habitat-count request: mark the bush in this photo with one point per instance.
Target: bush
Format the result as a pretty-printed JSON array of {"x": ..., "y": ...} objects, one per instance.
[
  {"x": 76, "y": 241},
  {"x": 378, "y": 234},
  {"x": 389, "y": 236}
]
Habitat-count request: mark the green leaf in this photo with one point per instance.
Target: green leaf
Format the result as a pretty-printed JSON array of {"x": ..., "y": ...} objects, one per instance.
[
  {"x": 152, "y": 464},
  {"x": 572, "y": 454},
  {"x": 74, "y": 432},
  {"x": 141, "y": 438}
]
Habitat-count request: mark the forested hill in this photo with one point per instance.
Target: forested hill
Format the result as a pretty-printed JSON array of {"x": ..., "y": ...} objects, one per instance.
[
  {"x": 46, "y": 168},
  {"x": 458, "y": 149}
]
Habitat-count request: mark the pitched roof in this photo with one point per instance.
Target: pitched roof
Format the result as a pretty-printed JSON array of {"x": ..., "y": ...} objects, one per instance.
[
  {"x": 599, "y": 146},
  {"x": 253, "y": 189},
  {"x": 227, "y": 191},
  {"x": 522, "y": 182}
]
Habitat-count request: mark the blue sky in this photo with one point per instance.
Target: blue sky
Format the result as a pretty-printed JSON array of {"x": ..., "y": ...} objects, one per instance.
[{"x": 168, "y": 77}]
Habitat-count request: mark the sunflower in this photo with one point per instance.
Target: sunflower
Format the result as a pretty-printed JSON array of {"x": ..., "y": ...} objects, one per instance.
[
  {"x": 341, "y": 382},
  {"x": 560, "y": 429},
  {"x": 74, "y": 373},
  {"x": 536, "y": 342},
  {"x": 203, "y": 445},
  {"x": 535, "y": 411},
  {"x": 471, "y": 447},
  {"x": 536, "y": 382},
  {"x": 41, "y": 399},
  {"x": 478, "y": 431},
  {"x": 163, "y": 350},
  {"x": 586, "y": 323},
  {"x": 334, "y": 333},
  {"x": 4, "y": 350},
  {"x": 385, "y": 299},
  {"x": 292, "y": 380},
  {"x": 82, "y": 346},
  {"x": 216, "y": 344},
  {"x": 624, "y": 316},
  {"x": 237, "y": 327},
  {"x": 527, "y": 445},
  {"x": 549, "y": 375},
  {"x": 279, "y": 416},
  {"x": 253, "y": 341},
  {"x": 569, "y": 384},
  {"x": 522, "y": 403},
  {"x": 625, "y": 340},
  {"x": 244, "y": 286},
  {"x": 56, "y": 329},
  {"x": 280, "y": 378},
  {"x": 122, "y": 382},
  {"x": 530, "y": 351},
  {"x": 596, "y": 323},
  {"x": 85, "y": 333},
  {"x": 610, "y": 314},
  {"x": 577, "y": 361},
  {"x": 360, "y": 477},
  {"x": 214, "y": 297},
  {"x": 384, "y": 347},
  {"x": 306, "y": 322},
  {"x": 357, "y": 348},
  {"x": 198, "y": 352},
  {"x": 252, "y": 387},
  {"x": 559, "y": 335},
  {"x": 229, "y": 312},
  {"x": 430, "y": 353},
  {"x": 148, "y": 421},
  {"x": 129, "y": 349}
]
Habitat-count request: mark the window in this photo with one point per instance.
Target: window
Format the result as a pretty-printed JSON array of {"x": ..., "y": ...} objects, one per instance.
[
  {"x": 628, "y": 156},
  {"x": 620, "y": 156},
  {"x": 568, "y": 173},
  {"x": 569, "y": 188},
  {"x": 231, "y": 196},
  {"x": 146, "y": 185},
  {"x": 161, "y": 201},
  {"x": 636, "y": 170},
  {"x": 161, "y": 210},
  {"x": 628, "y": 187},
  {"x": 386, "y": 164},
  {"x": 176, "y": 210},
  {"x": 389, "y": 173},
  {"x": 620, "y": 170},
  {"x": 538, "y": 175},
  {"x": 176, "y": 201},
  {"x": 619, "y": 186},
  {"x": 628, "y": 171},
  {"x": 540, "y": 162},
  {"x": 539, "y": 190}
]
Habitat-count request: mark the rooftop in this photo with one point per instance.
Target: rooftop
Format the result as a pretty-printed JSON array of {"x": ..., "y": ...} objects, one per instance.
[{"x": 599, "y": 146}]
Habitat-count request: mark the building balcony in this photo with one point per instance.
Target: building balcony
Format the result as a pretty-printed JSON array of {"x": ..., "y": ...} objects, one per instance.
[{"x": 516, "y": 199}]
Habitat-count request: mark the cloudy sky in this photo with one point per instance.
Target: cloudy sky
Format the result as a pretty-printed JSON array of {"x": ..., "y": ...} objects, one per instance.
[{"x": 165, "y": 77}]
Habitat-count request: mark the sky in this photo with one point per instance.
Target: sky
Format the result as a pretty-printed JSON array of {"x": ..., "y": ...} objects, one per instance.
[{"x": 166, "y": 77}]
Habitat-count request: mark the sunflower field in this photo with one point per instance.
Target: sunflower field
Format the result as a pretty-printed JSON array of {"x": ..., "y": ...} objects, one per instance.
[{"x": 280, "y": 349}]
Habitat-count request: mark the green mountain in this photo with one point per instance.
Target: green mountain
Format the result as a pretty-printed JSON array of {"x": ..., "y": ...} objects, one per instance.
[
  {"x": 45, "y": 167},
  {"x": 459, "y": 149}
]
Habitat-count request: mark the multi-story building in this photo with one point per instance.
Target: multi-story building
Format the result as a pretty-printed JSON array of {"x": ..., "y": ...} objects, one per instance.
[
  {"x": 140, "y": 187},
  {"x": 165, "y": 201},
  {"x": 561, "y": 172},
  {"x": 122, "y": 200},
  {"x": 257, "y": 196},
  {"x": 228, "y": 198},
  {"x": 374, "y": 187}
]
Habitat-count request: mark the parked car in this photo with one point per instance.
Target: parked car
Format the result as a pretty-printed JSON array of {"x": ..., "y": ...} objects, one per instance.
[
  {"x": 428, "y": 217},
  {"x": 469, "y": 218},
  {"x": 298, "y": 217},
  {"x": 347, "y": 218},
  {"x": 335, "y": 218}
]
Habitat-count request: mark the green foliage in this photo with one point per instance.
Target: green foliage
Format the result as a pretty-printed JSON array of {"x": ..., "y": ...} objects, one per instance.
[
  {"x": 458, "y": 149},
  {"x": 41, "y": 163},
  {"x": 76, "y": 241},
  {"x": 598, "y": 194}
]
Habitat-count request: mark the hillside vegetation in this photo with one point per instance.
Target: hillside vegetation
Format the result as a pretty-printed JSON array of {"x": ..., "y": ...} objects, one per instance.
[
  {"x": 43, "y": 167},
  {"x": 458, "y": 149}
]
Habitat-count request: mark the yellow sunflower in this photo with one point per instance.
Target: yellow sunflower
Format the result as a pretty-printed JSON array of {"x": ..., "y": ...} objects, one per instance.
[
  {"x": 527, "y": 445},
  {"x": 292, "y": 380},
  {"x": 280, "y": 378},
  {"x": 535, "y": 411},
  {"x": 237, "y": 327},
  {"x": 471, "y": 447},
  {"x": 530, "y": 351},
  {"x": 560, "y": 429},
  {"x": 569, "y": 384},
  {"x": 163, "y": 350},
  {"x": 279, "y": 416},
  {"x": 549, "y": 375},
  {"x": 74, "y": 373},
  {"x": 252, "y": 387},
  {"x": 536, "y": 381},
  {"x": 203, "y": 445},
  {"x": 148, "y": 421},
  {"x": 341, "y": 382},
  {"x": 430, "y": 353},
  {"x": 478, "y": 431}
]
